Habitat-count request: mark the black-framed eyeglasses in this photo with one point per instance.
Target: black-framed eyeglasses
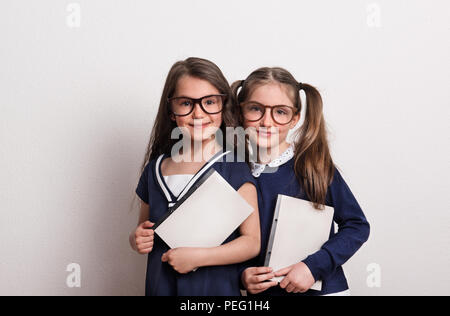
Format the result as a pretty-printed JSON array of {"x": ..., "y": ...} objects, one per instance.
[
  {"x": 281, "y": 114},
  {"x": 210, "y": 104}
]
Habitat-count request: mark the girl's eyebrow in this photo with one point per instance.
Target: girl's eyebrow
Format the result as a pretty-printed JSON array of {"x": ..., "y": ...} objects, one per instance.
[
  {"x": 181, "y": 96},
  {"x": 253, "y": 102},
  {"x": 206, "y": 95},
  {"x": 270, "y": 105}
]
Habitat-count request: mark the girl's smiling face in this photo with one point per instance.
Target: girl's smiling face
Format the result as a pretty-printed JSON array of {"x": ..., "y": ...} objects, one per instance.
[
  {"x": 201, "y": 125},
  {"x": 268, "y": 133}
]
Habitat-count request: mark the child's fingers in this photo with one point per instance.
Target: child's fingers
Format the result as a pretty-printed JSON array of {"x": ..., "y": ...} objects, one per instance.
[
  {"x": 143, "y": 240},
  {"x": 144, "y": 228},
  {"x": 284, "y": 283},
  {"x": 290, "y": 288},
  {"x": 148, "y": 233},
  {"x": 140, "y": 232},
  {"x": 165, "y": 256},
  {"x": 283, "y": 272},
  {"x": 147, "y": 224},
  {"x": 145, "y": 245},
  {"x": 261, "y": 277},
  {"x": 145, "y": 237},
  {"x": 260, "y": 270}
]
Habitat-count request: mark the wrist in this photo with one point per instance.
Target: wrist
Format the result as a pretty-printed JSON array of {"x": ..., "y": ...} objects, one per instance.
[
  {"x": 312, "y": 267},
  {"x": 308, "y": 270},
  {"x": 202, "y": 258}
]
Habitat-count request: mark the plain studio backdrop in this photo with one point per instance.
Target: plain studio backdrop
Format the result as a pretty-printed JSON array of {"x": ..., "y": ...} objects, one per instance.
[{"x": 80, "y": 84}]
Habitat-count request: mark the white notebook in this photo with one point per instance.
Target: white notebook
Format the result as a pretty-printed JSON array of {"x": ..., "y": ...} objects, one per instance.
[
  {"x": 298, "y": 230},
  {"x": 206, "y": 216}
]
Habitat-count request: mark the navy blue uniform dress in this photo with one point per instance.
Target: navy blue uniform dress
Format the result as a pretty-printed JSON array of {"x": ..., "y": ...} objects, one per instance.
[
  {"x": 325, "y": 264},
  {"x": 162, "y": 279}
]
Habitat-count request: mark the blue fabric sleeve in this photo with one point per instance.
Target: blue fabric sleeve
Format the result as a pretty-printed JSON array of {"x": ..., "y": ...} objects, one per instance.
[
  {"x": 352, "y": 233},
  {"x": 142, "y": 188},
  {"x": 240, "y": 174}
]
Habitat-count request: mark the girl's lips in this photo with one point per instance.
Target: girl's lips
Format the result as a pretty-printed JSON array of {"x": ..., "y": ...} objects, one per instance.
[
  {"x": 203, "y": 125},
  {"x": 264, "y": 133}
]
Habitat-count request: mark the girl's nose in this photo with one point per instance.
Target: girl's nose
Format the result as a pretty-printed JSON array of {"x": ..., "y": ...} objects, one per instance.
[
  {"x": 266, "y": 120},
  {"x": 197, "y": 112}
]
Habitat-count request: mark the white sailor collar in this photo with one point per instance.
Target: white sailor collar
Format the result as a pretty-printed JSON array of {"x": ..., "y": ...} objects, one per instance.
[{"x": 258, "y": 168}]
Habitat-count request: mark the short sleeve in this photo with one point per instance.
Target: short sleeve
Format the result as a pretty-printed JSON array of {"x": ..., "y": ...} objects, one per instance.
[
  {"x": 142, "y": 188},
  {"x": 240, "y": 174}
]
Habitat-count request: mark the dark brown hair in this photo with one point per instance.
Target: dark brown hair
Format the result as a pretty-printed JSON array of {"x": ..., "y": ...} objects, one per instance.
[
  {"x": 160, "y": 140},
  {"x": 313, "y": 165}
]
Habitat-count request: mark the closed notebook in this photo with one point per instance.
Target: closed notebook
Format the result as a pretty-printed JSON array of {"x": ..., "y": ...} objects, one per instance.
[
  {"x": 206, "y": 216},
  {"x": 298, "y": 230}
]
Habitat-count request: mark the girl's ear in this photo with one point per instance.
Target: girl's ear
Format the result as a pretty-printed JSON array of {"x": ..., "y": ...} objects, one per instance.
[
  {"x": 294, "y": 121},
  {"x": 172, "y": 117}
]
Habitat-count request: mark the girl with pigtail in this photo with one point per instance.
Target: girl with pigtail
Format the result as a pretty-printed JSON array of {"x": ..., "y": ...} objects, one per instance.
[{"x": 268, "y": 103}]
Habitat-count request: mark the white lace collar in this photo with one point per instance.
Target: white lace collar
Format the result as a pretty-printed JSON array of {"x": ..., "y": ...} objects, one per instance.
[{"x": 258, "y": 168}]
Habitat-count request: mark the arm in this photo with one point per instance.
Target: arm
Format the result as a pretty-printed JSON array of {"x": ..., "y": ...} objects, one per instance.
[
  {"x": 144, "y": 212},
  {"x": 352, "y": 233},
  {"x": 238, "y": 250}
]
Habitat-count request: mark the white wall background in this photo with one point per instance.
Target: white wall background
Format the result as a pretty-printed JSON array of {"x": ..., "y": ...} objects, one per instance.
[{"x": 77, "y": 105}]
